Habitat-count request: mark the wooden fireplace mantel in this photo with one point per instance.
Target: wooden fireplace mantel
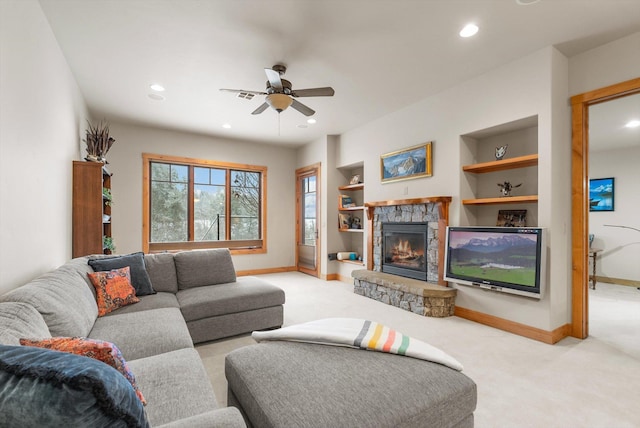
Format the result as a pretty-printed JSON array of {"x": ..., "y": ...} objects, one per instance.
[
  {"x": 443, "y": 213},
  {"x": 443, "y": 202}
]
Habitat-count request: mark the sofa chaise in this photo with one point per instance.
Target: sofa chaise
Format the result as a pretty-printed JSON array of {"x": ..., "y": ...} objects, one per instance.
[{"x": 195, "y": 297}]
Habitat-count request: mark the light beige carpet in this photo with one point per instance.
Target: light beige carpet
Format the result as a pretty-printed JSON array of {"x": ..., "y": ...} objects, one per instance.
[{"x": 521, "y": 382}]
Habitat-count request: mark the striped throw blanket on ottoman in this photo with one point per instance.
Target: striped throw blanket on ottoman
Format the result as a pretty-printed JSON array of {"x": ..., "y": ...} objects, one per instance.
[{"x": 359, "y": 333}]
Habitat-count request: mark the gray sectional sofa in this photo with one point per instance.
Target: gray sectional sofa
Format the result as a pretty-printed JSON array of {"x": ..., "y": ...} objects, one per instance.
[{"x": 198, "y": 298}]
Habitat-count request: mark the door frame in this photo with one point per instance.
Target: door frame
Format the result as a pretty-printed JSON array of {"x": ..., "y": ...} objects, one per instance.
[
  {"x": 580, "y": 197},
  {"x": 301, "y": 172}
]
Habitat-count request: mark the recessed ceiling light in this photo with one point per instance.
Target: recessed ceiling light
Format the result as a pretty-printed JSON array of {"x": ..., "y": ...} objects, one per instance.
[
  {"x": 469, "y": 30},
  {"x": 633, "y": 124},
  {"x": 226, "y": 126},
  {"x": 526, "y": 2},
  {"x": 311, "y": 121},
  {"x": 157, "y": 87},
  {"x": 156, "y": 97}
]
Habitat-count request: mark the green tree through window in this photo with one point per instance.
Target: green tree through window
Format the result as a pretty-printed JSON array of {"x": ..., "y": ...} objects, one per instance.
[{"x": 202, "y": 204}]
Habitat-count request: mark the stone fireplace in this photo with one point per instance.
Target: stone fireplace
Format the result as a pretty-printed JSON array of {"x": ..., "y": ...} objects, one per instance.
[{"x": 406, "y": 256}]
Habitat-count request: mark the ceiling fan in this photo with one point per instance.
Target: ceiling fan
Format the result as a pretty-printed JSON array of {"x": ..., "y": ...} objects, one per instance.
[{"x": 280, "y": 94}]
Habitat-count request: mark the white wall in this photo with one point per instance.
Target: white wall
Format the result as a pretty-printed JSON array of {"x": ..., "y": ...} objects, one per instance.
[
  {"x": 125, "y": 162},
  {"x": 605, "y": 65},
  {"x": 621, "y": 247},
  {"x": 534, "y": 85},
  {"x": 42, "y": 118}
]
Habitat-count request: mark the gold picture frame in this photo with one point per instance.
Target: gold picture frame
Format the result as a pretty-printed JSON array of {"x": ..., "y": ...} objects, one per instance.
[{"x": 406, "y": 164}]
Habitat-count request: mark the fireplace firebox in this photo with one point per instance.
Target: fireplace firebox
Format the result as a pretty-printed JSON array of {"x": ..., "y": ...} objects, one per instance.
[{"x": 404, "y": 247}]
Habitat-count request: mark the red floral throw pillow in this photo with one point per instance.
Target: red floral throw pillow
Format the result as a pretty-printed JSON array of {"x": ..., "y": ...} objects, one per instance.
[
  {"x": 113, "y": 289},
  {"x": 99, "y": 350}
]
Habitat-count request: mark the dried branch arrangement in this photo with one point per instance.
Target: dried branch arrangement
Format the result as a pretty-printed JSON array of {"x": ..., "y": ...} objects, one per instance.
[{"x": 98, "y": 142}]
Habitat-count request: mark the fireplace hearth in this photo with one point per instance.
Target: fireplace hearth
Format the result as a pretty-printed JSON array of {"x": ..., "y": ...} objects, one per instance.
[{"x": 404, "y": 248}]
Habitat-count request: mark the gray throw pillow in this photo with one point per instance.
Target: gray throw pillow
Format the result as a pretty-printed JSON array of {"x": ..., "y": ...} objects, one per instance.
[{"x": 139, "y": 276}]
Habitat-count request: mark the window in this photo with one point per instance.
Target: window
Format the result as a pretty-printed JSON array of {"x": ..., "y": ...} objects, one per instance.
[{"x": 192, "y": 203}]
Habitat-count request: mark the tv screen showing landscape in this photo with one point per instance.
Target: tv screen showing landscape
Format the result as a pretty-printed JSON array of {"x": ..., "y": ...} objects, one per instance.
[{"x": 500, "y": 257}]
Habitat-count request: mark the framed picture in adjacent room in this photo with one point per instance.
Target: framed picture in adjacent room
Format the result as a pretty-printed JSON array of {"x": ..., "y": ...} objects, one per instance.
[
  {"x": 412, "y": 162},
  {"x": 601, "y": 194},
  {"x": 512, "y": 218}
]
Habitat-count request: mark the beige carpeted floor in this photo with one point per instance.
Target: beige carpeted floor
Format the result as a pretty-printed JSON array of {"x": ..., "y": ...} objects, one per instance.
[{"x": 521, "y": 382}]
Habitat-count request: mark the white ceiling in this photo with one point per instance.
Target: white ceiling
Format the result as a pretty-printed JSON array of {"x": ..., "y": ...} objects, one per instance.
[{"x": 378, "y": 55}]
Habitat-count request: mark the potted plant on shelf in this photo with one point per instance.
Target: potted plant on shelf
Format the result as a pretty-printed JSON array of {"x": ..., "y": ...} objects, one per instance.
[
  {"x": 98, "y": 142},
  {"x": 106, "y": 195},
  {"x": 108, "y": 245}
]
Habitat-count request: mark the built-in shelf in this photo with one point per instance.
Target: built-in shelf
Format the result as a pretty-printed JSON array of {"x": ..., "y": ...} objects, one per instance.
[
  {"x": 502, "y": 200},
  {"x": 350, "y": 209},
  {"x": 351, "y": 230},
  {"x": 353, "y": 262},
  {"x": 358, "y": 186},
  {"x": 502, "y": 165}
]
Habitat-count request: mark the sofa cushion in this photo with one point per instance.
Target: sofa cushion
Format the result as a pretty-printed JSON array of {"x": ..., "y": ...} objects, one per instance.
[
  {"x": 204, "y": 267},
  {"x": 151, "y": 301},
  {"x": 113, "y": 290},
  {"x": 64, "y": 297},
  {"x": 136, "y": 263},
  {"x": 145, "y": 333},
  {"x": 176, "y": 385},
  {"x": 20, "y": 320},
  {"x": 99, "y": 350},
  {"x": 41, "y": 388},
  {"x": 247, "y": 294},
  {"x": 162, "y": 272}
]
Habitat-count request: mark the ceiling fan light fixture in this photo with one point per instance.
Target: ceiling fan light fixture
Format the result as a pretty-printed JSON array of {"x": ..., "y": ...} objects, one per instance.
[{"x": 279, "y": 102}]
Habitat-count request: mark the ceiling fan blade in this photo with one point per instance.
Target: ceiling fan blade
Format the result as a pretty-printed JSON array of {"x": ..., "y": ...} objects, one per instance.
[
  {"x": 302, "y": 108},
  {"x": 274, "y": 79},
  {"x": 314, "y": 92},
  {"x": 260, "y": 109},
  {"x": 243, "y": 90}
]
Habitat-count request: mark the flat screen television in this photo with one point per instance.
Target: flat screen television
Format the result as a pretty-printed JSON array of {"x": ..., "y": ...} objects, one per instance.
[{"x": 505, "y": 259}]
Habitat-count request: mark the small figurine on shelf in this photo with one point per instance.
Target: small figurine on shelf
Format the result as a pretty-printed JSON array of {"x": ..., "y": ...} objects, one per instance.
[
  {"x": 355, "y": 223},
  {"x": 507, "y": 187},
  {"x": 501, "y": 151}
]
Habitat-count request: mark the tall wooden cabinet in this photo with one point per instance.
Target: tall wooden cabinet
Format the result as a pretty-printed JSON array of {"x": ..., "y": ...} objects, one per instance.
[{"x": 91, "y": 210}]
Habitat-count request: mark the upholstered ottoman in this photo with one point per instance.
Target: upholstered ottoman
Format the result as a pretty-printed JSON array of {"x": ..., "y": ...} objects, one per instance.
[{"x": 290, "y": 384}]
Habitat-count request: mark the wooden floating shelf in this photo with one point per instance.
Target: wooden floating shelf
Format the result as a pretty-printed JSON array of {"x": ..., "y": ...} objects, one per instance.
[
  {"x": 358, "y": 186},
  {"x": 502, "y": 165},
  {"x": 502, "y": 200},
  {"x": 351, "y": 209},
  {"x": 353, "y": 262},
  {"x": 351, "y": 230}
]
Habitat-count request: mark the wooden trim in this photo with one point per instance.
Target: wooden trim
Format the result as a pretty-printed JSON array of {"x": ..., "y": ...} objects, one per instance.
[
  {"x": 251, "y": 272},
  {"x": 331, "y": 277},
  {"x": 549, "y": 337},
  {"x": 146, "y": 203},
  {"x": 617, "y": 90},
  {"x": 580, "y": 197}
]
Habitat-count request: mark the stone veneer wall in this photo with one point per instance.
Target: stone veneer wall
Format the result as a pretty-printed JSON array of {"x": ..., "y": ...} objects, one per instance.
[{"x": 417, "y": 213}]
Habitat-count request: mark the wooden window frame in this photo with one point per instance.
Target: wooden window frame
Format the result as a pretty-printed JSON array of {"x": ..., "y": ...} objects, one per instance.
[{"x": 256, "y": 246}]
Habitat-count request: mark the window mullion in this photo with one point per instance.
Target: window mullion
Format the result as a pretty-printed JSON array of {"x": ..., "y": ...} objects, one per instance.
[
  {"x": 190, "y": 205},
  {"x": 227, "y": 205}
]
